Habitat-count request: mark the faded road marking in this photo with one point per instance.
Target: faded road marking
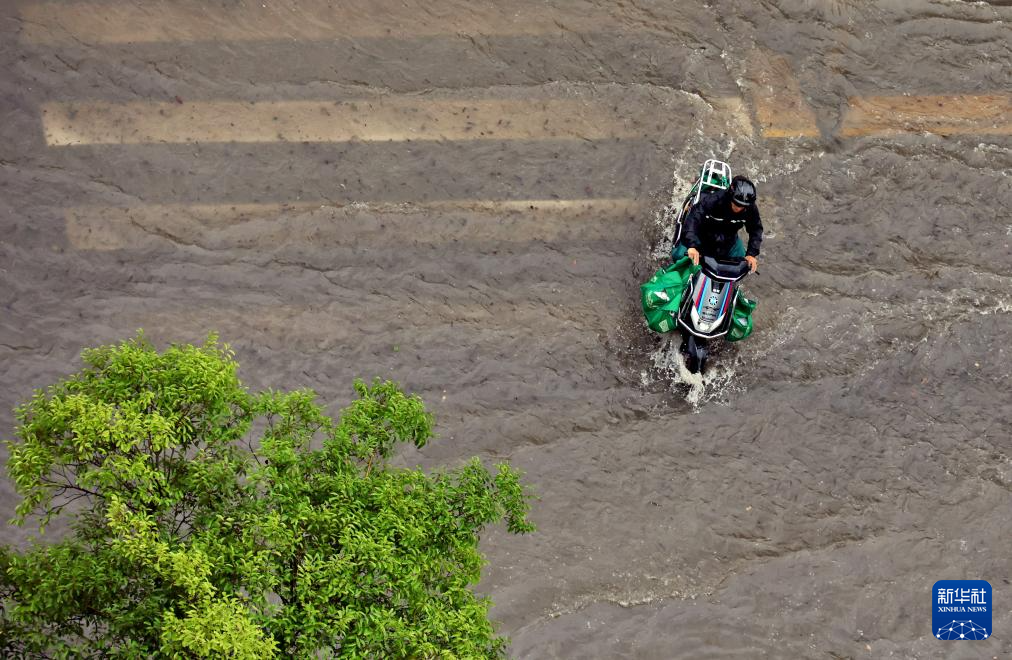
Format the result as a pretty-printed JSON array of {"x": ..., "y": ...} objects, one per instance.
[
  {"x": 941, "y": 115},
  {"x": 378, "y": 119},
  {"x": 268, "y": 226},
  {"x": 781, "y": 111},
  {"x": 734, "y": 111},
  {"x": 382, "y": 317},
  {"x": 310, "y": 20}
]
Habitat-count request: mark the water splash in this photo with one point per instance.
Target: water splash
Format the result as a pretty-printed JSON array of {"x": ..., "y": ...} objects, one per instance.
[
  {"x": 665, "y": 219},
  {"x": 717, "y": 385}
]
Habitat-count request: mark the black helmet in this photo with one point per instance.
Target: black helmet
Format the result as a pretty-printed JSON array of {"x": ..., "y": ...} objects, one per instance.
[{"x": 742, "y": 191}]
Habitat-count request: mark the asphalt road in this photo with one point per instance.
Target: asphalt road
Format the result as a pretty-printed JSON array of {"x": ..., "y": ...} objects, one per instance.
[{"x": 464, "y": 197}]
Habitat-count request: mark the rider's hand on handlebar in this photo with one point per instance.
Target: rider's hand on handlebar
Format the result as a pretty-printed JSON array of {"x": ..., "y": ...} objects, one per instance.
[
  {"x": 694, "y": 255},
  {"x": 752, "y": 262}
]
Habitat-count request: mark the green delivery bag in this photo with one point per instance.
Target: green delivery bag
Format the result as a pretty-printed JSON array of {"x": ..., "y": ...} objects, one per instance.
[
  {"x": 662, "y": 294},
  {"x": 741, "y": 318},
  {"x": 717, "y": 181}
]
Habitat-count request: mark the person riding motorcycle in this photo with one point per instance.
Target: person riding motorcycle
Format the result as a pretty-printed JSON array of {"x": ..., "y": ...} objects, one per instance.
[{"x": 712, "y": 224}]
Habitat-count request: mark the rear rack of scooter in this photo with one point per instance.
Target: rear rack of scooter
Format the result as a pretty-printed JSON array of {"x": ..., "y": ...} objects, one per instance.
[{"x": 714, "y": 174}]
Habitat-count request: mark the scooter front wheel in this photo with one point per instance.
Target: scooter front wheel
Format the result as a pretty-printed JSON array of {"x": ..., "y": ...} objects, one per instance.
[{"x": 696, "y": 351}]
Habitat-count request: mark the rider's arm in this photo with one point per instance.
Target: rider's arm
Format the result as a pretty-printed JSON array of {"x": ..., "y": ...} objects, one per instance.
[
  {"x": 690, "y": 228},
  {"x": 754, "y": 227}
]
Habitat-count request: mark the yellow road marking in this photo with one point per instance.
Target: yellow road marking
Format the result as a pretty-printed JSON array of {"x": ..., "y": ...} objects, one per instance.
[
  {"x": 380, "y": 119},
  {"x": 781, "y": 111},
  {"x": 268, "y": 226},
  {"x": 195, "y": 20},
  {"x": 942, "y": 115}
]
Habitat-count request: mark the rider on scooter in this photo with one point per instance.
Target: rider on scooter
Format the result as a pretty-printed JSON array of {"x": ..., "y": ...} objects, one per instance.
[{"x": 712, "y": 225}]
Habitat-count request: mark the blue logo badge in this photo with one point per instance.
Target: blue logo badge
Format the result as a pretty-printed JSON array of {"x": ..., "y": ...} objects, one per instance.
[{"x": 961, "y": 609}]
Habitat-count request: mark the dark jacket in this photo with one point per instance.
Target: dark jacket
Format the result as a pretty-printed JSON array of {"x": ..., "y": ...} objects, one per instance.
[{"x": 711, "y": 227}]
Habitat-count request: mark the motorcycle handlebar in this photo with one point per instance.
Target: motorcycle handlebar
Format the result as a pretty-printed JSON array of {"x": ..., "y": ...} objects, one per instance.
[{"x": 727, "y": 268}]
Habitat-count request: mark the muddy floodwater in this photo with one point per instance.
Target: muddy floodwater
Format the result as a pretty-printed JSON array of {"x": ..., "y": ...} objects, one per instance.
[{"x": 464, "y": 196}]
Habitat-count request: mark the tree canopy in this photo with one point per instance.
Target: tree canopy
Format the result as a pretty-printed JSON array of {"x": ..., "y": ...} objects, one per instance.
[{"x": 206, "y": 520}]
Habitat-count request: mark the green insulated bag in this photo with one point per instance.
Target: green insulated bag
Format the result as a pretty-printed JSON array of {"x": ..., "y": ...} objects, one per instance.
[
  {"x": 741, "y": 318},
  {"x": 662, "y": 294}
]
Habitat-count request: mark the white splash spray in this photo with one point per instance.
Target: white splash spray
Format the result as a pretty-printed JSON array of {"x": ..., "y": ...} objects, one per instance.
[{"x": 716, "y": 385}]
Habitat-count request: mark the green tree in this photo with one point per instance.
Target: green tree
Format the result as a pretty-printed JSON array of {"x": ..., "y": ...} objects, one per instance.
[{"x": 205, "y": 520}]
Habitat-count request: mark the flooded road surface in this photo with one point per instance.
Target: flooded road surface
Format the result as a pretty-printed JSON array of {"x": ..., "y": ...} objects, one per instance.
[{"x": 464, "y": 196}]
